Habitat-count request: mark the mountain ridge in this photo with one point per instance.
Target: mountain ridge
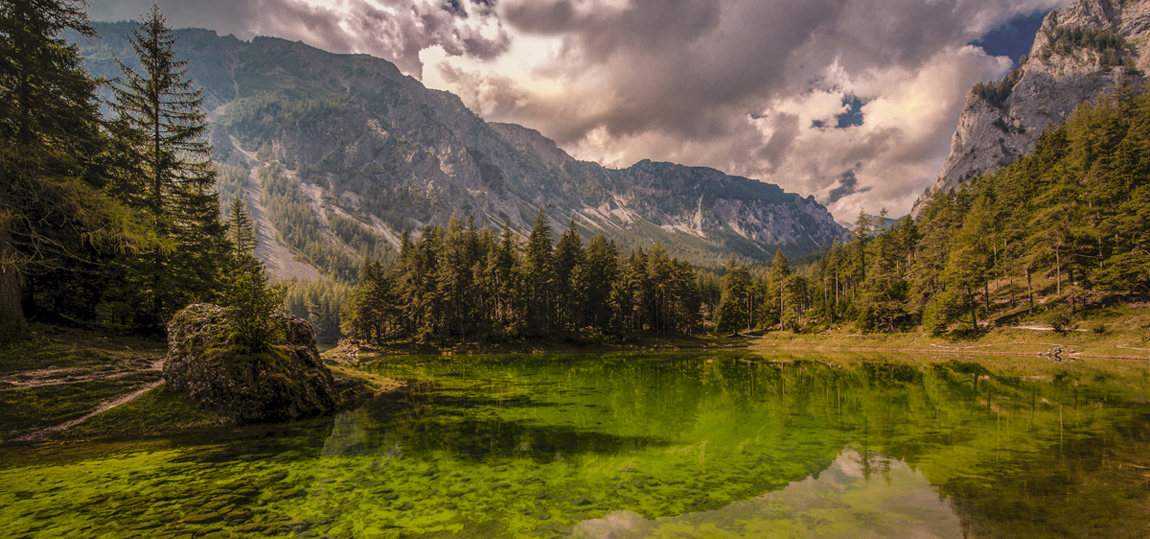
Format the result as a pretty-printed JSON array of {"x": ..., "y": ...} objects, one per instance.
[{"x": 391, "y": 155}]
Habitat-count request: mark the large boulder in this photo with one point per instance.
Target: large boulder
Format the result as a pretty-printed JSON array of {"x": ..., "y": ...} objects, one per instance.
[{"x": 286, "y": 381}]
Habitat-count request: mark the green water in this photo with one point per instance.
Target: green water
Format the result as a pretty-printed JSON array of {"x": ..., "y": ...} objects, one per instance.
[{"x": 637, "y": 445}]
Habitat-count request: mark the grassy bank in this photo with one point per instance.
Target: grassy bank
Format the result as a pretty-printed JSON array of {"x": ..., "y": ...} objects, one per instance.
[
  {"x": 57, "y": 376},
  {"x": 573, "y": 343},
  {"x": 1119, "y": 332}
]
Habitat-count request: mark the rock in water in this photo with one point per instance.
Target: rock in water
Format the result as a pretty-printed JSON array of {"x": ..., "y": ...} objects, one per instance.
[{"x": 287, "y": 381}]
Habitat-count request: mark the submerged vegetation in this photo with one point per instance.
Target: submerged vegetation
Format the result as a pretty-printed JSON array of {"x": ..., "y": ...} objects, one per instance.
[{"x": 712, "y": 444}]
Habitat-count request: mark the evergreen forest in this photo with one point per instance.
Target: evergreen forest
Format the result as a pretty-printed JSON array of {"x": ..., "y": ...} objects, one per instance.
[
  {"x": 111, "y": 218},
  {"x": 1063, "y": 229},
  {"x": 115, "y": 219}
]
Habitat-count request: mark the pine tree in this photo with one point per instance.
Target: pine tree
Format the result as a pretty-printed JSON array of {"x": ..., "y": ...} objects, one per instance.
[
  {"x": 169, "y": 170},
  {"x": 771, "y": 309},
  {"x": 594, "y": 277},
  {"x": 732, "y": 314},
  {"x": 503, "y": 268},
  {"x": 250, "y": 299},
  {"x": 539, "y": 275},
  {"x": 52, "y": 209},
  {"x": 567, "y": 257},
  {"x": 241, "y": 230}
]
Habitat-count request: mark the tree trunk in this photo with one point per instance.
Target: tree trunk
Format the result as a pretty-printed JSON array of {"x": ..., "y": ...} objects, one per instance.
[
  {"x": 1070, "y": 274},
  {"x": 1058, "y": 270},
  {"x": 11, "y": 314},
  {"x": 1029, "y": 293},
  {"x": 995, "y": 243},
  {"x": 973, "y": 309}
]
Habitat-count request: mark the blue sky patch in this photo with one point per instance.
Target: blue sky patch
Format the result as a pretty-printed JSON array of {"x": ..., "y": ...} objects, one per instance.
[
  {"x": 853, "y": 115},
  {"x": 1013, "y": 38}
]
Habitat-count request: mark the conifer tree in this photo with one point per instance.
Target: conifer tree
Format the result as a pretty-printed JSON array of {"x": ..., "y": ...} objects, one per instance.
[
  {"x": 771, "y": 309},
  {"x": 502, "y": 266},
  {"x": 539, "y": 274},
  {"x": 241, "y": 230},
  {"x": 169, "y": 170},
  {"x": 598, "y": 270},
  {"x": 52, "y": 210},
  {"x": 732, "y": 314},
  {"x": 250, "y": 298},
  {"x": 567, "y": 257}
]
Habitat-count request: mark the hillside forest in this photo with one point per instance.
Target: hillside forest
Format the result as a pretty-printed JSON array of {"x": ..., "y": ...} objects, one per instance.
[{"x": 115, "y": 220}]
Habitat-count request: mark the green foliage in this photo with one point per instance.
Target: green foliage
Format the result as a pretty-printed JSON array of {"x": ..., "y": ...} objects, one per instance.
[
  {"x": 57, "y": 223},
  {"x": 735, "y": 308},
  {"x": 262, "y": 117},
  {"x": 462, "y": 283},
  {"x": 230, "y": 182},
  {"x": 1059, "y": 319},
  {"x": 1112, "y": 48},
  {"x": 165, "y": 172},
  {"x": 290, "y": 211},
  {"x": 1071, "y": 216},
  {"x": 319, "y": 302},
  {"x": 996, "y": 92},
  {"x": 250, "y": 298}
]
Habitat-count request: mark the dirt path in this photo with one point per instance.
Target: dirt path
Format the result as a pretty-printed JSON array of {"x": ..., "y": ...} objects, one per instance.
[
  {"x": 103, "y": 407},
  {"x": 55, "y": 377}
]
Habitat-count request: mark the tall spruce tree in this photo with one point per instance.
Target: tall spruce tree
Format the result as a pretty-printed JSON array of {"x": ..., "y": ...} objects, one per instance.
[
  {"x": 568, "y": 256},
  {"x": 540, "y": 275},
  {"x": 771, "y": 310},
  {"x": 169, "y": 170},
  {"x": 733, "y": 311},
  {"x": 241, "y": 230},
  {"x": 250, "y": 298}
]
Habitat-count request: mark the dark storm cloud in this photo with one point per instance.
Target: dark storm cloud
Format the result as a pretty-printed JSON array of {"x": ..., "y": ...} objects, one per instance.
[
  {"x": 692, "y": 80},
  {"x": 393, "y": 29},
  {"x": 739, "y": 85},
  {"x": 784, "y": 130},
  {"x": 689, "y": 66},
  {"x": 683, "y": 66}
]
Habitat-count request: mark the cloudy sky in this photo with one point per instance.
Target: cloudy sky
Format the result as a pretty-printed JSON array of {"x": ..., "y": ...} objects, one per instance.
[{"x": 852, "y": 101}]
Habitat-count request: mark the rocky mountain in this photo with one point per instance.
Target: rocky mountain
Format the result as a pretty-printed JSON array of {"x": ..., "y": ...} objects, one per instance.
[
  {"x": 1081, "y": 53},
  {"x": 343, "y": 152}
]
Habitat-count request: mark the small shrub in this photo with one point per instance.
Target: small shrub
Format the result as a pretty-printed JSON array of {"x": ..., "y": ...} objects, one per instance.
[
  {"x": 1058, "y": 318},
  {"x": 1098, "y": 328}
]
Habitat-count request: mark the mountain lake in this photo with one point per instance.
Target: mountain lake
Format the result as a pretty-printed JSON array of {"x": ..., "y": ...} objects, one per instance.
[{"x": 660, "y": 444}]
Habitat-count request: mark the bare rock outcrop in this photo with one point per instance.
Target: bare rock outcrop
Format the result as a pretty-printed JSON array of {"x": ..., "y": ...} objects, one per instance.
[
  {"x": 287, "y": 381},
  {"x": 1049, "y": 85}
]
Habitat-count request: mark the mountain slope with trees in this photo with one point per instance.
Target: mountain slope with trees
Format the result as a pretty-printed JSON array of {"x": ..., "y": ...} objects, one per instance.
[
  {"x": 1080, "y": 54},
  {"x": 1063, "y": 230},
  {"x": 359, "y": 153}
]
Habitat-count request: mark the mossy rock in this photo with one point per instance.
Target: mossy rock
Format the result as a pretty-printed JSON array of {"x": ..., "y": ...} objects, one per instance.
[{"x": 285, "y": 381}]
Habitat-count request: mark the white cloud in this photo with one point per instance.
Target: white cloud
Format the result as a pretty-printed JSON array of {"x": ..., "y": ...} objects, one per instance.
[{"x": 732, "y": 84}]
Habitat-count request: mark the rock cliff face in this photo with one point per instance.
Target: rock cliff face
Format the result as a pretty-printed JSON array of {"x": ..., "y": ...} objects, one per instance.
[
  {"x": 365, "y": 142},
  {"x": 287, "y": 382},
  {"x": 1074, "y": 60}
]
